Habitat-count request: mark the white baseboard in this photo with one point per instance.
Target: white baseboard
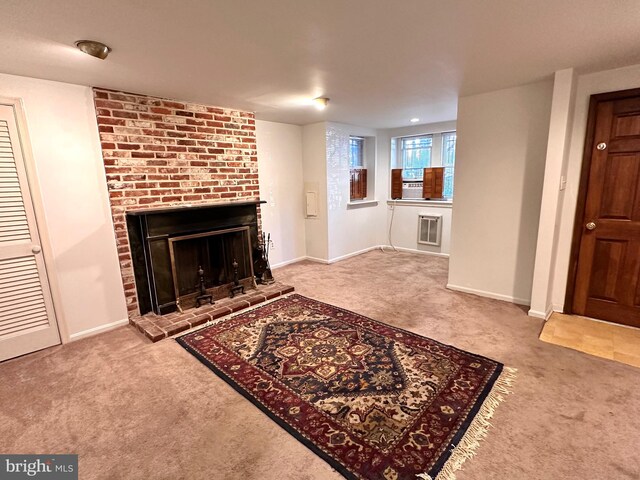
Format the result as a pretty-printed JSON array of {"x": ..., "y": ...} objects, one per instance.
[
  {"x": 317, "y": 260},
  {"x": 349, "y": 255},
  {"x": 288, "y": 262},
  {"x": 413, "y": 250},
  {"x": 540, "y": 314},
  {"x": 342, "y": 257},
  {"x": 98, "y": 329},
  {"x": 354, "y": 254},
  {"x": 495, "y": 296}
]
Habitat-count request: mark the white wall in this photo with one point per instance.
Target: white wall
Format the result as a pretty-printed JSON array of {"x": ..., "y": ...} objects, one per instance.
[
  {"x": 342, "y": 228},
  {"x": 314, "y": 171},
  {"x": 501, "y": 149},
  {"x": 561, "y": 121},
  {"x": 402, "y": 219},
  {"x": 589, "y": 84},
  {"x": 281, "y": 186},
  {"x": 351, "y": 228},
  {"x": 64, "y": 138}
]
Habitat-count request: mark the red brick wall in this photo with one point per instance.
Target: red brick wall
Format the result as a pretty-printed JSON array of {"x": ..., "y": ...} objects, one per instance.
[{"x": 160, "y": 152}]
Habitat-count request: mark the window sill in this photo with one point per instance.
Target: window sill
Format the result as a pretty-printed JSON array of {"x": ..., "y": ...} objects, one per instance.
[
  {"x": 362, "y": 203},
  {"x": 422, "y": 203}
]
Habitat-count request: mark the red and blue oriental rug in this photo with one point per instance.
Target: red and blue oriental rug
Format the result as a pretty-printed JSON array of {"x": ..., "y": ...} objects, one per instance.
[{"x": 374, "y": 401}]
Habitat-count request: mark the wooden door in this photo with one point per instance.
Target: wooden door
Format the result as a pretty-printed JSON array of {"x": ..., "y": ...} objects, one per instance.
[
  {"x": 27, "y": 319},
  {"x": 607, "y": 279}
]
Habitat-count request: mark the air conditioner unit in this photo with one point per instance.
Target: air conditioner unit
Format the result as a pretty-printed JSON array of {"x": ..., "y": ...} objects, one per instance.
[
  {"x": 411, "y": 190},
  {"x": 430, "y": 229}
]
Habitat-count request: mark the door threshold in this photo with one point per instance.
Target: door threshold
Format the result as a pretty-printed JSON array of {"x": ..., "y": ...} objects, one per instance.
[
  {"x": 620, "y": 343},
  {"x": 599, "y": 320}
]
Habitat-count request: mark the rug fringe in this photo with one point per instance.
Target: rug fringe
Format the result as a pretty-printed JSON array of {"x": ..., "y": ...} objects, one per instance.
[{"x": 478, "y": 429}]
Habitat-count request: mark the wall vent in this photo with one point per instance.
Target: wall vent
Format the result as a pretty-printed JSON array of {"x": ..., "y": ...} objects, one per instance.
[{"x": 429, "y": 229}]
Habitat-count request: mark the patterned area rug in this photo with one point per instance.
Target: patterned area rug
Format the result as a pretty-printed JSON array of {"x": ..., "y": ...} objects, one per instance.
[{"x": 374, "y": 401}]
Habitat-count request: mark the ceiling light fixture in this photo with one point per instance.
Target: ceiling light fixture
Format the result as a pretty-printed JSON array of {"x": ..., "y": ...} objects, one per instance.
[
  {"x": 414, "y": 120},
  {"x": 321, "y": 102},
  {"x": 93, "y": 48}
]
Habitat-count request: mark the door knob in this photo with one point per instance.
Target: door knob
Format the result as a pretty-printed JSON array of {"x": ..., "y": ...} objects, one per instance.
[
  {"x": 601, "y": 146},
  {"x": 36, "y": 249},
  {"x": 590, "y": 226}
]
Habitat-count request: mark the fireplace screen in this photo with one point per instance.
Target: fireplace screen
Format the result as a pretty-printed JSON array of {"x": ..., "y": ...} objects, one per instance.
[
  {"x": 168, "y": 245},
  {"x": 220, "y": 255}
]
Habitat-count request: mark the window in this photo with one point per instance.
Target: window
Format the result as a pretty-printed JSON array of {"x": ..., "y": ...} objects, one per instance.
[
  {"x": 356, "y": 152},
  {"x": 448, "y": 161},
  {"x": 410, "y": 155},
  {"x": 416, "y": 156},
  {"x": 357, "y": 171}
]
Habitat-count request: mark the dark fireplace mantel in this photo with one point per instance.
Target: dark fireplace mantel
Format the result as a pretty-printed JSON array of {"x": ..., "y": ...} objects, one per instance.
[
  {"x": 149, "y": 233},
  {"x": 184, "y": 208}
]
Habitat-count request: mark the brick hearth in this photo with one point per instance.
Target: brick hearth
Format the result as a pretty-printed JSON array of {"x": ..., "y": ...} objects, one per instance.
[{"x": 156, "y": 327}]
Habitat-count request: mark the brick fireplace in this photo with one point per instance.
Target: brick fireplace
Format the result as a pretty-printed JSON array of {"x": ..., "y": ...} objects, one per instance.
[{"x": 161, "y": 153}]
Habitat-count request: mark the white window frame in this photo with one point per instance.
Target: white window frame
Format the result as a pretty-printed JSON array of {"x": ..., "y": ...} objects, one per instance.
[
  {"x": 369, "y": 161},
  {"x": 437, "y": 153},
  {"x": 401, "y": 141},
  {"x": 443, "y": 137},
  {"x": 361, "y": 141}
]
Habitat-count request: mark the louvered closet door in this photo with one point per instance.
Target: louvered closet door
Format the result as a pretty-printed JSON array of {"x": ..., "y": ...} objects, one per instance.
[{"x": 27, "y": 320}]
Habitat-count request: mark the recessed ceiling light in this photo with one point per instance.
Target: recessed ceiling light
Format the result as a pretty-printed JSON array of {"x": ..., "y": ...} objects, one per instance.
[
  {"x": 93, "y": 48},
  {"x": 321, "y": 102},
  {"x": 414, "y": 120}
]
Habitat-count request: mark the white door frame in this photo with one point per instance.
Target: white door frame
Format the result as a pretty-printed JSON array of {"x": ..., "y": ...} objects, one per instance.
[{"x": 36, "y": 198}]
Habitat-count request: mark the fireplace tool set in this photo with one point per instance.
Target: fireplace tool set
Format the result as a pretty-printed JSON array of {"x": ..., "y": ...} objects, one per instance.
[{"x": 267, "y": 277}]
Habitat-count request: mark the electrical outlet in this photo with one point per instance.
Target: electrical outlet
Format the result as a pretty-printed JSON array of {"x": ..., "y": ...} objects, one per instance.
[{"x": 272, "y": 245}]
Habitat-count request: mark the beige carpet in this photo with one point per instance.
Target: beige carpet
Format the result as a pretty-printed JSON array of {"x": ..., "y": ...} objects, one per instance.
[{"x": 136, "y": 410}]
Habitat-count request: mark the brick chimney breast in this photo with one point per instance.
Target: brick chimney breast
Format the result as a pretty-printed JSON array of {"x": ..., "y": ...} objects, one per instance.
[{"x": 160, "y": 152}]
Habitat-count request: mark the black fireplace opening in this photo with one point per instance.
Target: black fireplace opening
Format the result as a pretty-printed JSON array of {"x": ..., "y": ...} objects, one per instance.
[
  {"x": 215, "y": 258},
  {"x": 175, "y": 249}
]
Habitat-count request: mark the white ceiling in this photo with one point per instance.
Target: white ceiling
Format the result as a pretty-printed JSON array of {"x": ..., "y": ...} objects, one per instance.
[{"x": 381, "y": 62}]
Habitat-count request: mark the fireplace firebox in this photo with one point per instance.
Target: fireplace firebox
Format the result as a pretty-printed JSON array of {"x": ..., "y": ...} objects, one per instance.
[{"x": 176, "y": 250}]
